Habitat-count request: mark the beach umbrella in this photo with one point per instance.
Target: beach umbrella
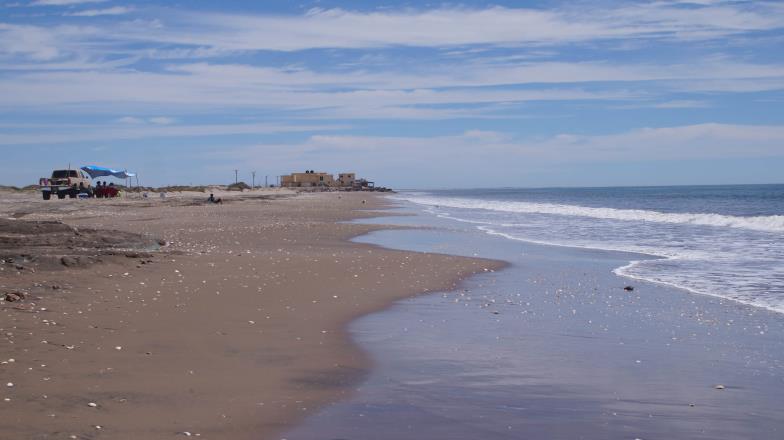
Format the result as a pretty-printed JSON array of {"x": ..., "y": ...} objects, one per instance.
[{"x": 96, "y": 171}]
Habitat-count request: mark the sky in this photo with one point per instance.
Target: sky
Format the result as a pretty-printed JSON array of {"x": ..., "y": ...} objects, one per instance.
[{"x": 407, "y": 94}]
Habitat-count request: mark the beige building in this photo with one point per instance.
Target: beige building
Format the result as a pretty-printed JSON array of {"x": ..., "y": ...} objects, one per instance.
[
  {"x": 346, "y": 180},
  {"x": 307, "y": 179},
  {"x": 311, "y": 178}
]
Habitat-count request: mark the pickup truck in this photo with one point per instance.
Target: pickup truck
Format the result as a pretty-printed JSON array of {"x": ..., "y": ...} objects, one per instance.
[{"x": 66, "y": 183}]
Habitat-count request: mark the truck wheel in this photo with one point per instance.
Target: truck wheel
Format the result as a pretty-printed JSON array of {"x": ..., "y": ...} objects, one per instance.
[
  {"x": 47, "y": 195},
  {"x": 60, "y": 195}
]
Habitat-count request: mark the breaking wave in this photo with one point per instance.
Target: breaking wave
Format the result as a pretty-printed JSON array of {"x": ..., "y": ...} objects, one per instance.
[
  {"x": 771, "y": 223},
  {"x": 727, "y": 255}
]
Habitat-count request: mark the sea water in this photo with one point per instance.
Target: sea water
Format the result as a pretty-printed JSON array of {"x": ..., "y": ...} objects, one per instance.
[
  {"x": 726, "y": 241},
  {"x": 552, "y": 346}
]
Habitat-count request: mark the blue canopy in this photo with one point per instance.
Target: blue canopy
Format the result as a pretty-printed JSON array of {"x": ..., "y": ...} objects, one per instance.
[{"x": 96, "y": 171}]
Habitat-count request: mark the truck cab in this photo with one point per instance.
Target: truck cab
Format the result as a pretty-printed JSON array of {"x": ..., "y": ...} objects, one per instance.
[{"x": 66, "y": 183}]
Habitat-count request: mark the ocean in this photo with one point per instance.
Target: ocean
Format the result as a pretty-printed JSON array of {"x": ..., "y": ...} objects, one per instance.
[
  {"x": 726, "y": 241},
  {"x": 553, "y": 346}
]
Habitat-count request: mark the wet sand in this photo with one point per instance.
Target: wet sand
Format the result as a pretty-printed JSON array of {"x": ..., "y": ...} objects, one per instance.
[{"x": 234, "y": 329}]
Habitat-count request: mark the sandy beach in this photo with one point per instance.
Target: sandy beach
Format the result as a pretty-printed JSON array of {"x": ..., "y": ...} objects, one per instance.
[{"x": 220, "y": 321}]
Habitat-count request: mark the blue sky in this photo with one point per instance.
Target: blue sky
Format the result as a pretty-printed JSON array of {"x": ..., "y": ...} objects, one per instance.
[{"x": 409, "y": 94}]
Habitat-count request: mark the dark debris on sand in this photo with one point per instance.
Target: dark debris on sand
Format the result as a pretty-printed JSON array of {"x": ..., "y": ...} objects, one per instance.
[{"x": 47, "y": 245}]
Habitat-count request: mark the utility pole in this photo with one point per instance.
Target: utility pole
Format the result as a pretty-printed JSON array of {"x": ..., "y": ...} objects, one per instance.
[
  {"x": 236, "y": 179},
  {"x": 253, "y": 186},
  {"x": 265, "y": 182}
]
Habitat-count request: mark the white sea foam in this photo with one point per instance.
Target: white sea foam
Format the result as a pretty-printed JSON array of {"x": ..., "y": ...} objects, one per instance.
[
  {"x": 734, "y": 285},
  {"x": 733, "y": 291},
  {"x": 770, "y": 223},
  {"x": 732, "y": 257}
]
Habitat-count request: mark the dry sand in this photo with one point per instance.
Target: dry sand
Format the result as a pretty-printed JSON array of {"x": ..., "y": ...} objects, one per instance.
[{"x": 233, "y": 330}]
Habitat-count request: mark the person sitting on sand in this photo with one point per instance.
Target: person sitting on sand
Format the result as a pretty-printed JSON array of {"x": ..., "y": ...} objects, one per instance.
[{"x": 212, "y": 199}]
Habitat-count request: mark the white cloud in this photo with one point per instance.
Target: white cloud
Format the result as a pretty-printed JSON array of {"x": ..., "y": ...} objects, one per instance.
[
  {"x": 482, "y": 73},
  {"x": 130, "y": 120},
  {"x": 203, "y": 34},
  {"x": 42, "y": 44},
  {"x": 710, "y": 140},
  {"x": 63, "y": 2},
  {"x": 436, "y": 93},
  {"x": 683, "y": 103},
  {"x": 30, "y": 41},
  {"x": 158, "y": 120},
  {"x": 732, "y": 85},
  {"x": 674, "y": 104},
  {"x": 706, "y": 141},
  {"x": 90, "y": 48},
  {"x": 136, "y": 128},
  {"x": 449, "y": 27},
  {"x": 115, "y": 10},
  {"x": 162, "y": 120}
]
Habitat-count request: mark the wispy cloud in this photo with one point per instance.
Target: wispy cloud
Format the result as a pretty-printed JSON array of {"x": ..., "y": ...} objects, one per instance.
[
  {"x": 683, "y": 103},
  {"x": 457, "y": 28},
  {"x": 361, "y": 94},
  {"x": 706, "y": 141},
  {"x": 137, "y": 128},
  {"x": 666, "y": 105},
  {"x": 710, "y": 140},
  {"x": 130, "y": 120},
  {"x": 63, "y": 2},
  {"x": 162, "y": 120},
  {"x": 115, "y": 10},
  {"x": 453, "y": 27},
  {"x": 43, "y": 44},
  {"x": 158, "y": 120}
]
